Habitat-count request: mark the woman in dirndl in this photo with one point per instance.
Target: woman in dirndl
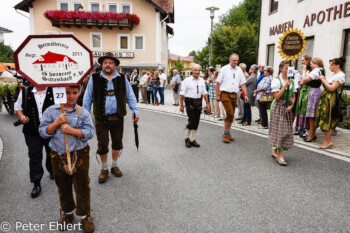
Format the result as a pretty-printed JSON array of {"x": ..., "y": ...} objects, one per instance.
[
  {"x": 328, "y": 113},
  {"x": 312, "y": 80},
  {"x": 302, "y": 125},
  {"x": 281, "y": 125}
]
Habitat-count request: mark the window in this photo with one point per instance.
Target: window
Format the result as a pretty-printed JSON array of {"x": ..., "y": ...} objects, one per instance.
[
  {"x": 123, "y": 42},
  {"x": 112, "y": 7},
  {"x": 96, "y": 40},
  {"x": 273, "y": 6},
  {"x": 63, "y": 6},
  {"x": 347, "y": 57},
  {"x": 309, "y": 50},
  {"x": 77, "y": 5},
  {"x": 94, "y": 6},
  {"x": 126, "y": 8},
  {"x": 270, "y": 54},
  {"x": 139, "y": 42}
]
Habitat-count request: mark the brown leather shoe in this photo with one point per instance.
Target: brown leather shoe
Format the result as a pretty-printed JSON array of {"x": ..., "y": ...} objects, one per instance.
[
  {"x": 65, "y": 219},
  {"x": 87, "y": 224},
  {"x": 230, "y": 137},
  {"x": 116, "y": 171},
  {"x": 103, "y": 176},
  {"x": 226, "y": 138}
]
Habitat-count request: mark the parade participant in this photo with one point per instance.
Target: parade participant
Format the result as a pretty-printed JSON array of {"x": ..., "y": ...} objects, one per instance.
[
  {"x": 134, "y": 81},
  {"x": 163, "y": 79},
  {"x": 175, "y": 83},
  {"x": 302, "y": 123},
  {"x": 251, "y": 87},
  {"x": 230, "y": 78},
  {"x": 312, "y": 80},
  {"x": 240, "y": 101},
  {"x": 281, "y": 125},
  {"x": 329, "y": 113},
  {"x": 143, "y": 86},
  {"x": 192, "y": 89},
  {"x": 261, "y": 76},
  {"x": 77, "y": 124},
  {"x": 109, "y": 92},
  {"x": 264, "y": 86},
  {"x": 31, "y": 103}
]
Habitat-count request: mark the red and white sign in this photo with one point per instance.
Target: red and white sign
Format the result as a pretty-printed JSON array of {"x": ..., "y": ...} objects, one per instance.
[{"x": 53, "y": 60}]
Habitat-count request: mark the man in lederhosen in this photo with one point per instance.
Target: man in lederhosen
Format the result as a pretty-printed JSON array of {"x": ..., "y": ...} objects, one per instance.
[
  {"x": 192, "y": 90},
  {"x": 110, "y": 92},
  {"x": 31, "y": 103}
]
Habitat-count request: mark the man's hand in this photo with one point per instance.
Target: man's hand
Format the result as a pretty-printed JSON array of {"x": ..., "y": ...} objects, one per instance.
[
  {"x": 246, "y": 99},
  {"x": 65, "y": 128},
  {"x": 182, "y": 108},
  {"x": 218, "y": 98},
  {"x": 24, "y": 119},
  {"x": 208, "y": 108},
  {"x": 135, "y": 118},
  {"x": 62, "y": 119}
]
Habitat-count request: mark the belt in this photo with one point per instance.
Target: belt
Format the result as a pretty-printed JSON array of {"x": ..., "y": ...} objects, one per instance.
[
  {"x": 230, "y": 92},
  {"x": 65, "y": 154},
  {"x": 110, "y": 93}
]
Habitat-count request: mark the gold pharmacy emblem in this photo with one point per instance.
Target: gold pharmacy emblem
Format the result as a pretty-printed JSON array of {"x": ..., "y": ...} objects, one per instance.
[{"x": 292, "y": 44}]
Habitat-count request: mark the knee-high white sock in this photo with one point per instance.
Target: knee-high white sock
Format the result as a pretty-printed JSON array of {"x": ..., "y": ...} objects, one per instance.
[
  {"x": 193, "y": 135},
  {"x": 188, "y": 133}
]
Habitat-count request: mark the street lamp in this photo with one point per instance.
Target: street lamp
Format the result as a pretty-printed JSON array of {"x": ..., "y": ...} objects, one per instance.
[{"x": 212, "y": 9}]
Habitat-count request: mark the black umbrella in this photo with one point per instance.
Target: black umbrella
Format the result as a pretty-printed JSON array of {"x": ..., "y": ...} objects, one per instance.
[{"x": 136, "y": 135}]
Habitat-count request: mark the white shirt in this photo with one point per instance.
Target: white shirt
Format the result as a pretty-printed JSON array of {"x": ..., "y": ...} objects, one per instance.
[
  {"x": 315, "y": 74},
  {"x": 276, "y": 85},
  {"x": 39, "y": 99},
  {"x": 231, "y": 79},
  {"x": 340, "y": 77},
  {"x": 162, "y": 77},
  {"x": 7, "y": 74},
  {"x": 297, "y": 76},
  {"x": 192, "y": 88},
  {"x": 144, "y": 80}
]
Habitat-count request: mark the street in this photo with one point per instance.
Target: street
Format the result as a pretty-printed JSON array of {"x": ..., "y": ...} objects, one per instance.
[{"x": 167, "y": 187}]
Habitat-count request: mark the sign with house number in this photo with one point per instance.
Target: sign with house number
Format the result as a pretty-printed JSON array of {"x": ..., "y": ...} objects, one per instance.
[
  {"x": 59, "y": 95},
  {"x": 53, "y": 60},
  {"x": 290, "y": 73}
]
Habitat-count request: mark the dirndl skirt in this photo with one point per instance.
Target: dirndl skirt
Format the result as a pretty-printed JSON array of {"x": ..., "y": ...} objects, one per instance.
[
  {"x": 312, "y": 102},
  {"x": 281, "y": 126}
]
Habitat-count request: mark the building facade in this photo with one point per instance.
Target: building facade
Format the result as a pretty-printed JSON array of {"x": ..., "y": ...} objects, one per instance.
[
  {"x": 142, "y": 45},
  {"x": 325, "y": 24},
  {"x": 186, "y": 61},
  {"x": 2, "y": 31}
]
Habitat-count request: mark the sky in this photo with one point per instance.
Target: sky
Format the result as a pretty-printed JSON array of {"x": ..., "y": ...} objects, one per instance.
[{"x": 191, "y": 28}]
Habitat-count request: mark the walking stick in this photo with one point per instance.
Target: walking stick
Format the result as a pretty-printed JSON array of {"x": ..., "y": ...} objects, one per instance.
[{"x": 67, "y": 148}]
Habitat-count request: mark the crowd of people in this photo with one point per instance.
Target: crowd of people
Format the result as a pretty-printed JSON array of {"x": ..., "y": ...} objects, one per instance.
[{"x": 305, "y": 100}]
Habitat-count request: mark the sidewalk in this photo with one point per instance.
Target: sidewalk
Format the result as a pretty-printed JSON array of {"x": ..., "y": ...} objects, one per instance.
[{"x": 341, "y": 140}]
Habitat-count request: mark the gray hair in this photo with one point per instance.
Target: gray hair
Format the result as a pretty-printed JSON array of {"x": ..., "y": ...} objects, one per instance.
[
  {"x": 243, "y": 66},
  {"x": 255, "y": 68},
  {"x": 175, "y": 70},
  {"x": 233, "y": 54}
]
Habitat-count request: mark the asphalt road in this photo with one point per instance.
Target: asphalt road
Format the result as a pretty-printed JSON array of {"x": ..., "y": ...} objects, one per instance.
[{"x": 169, "y": 188}]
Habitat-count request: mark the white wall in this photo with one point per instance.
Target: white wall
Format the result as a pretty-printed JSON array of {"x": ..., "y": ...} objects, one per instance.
[{"x": 328, "y": 35}]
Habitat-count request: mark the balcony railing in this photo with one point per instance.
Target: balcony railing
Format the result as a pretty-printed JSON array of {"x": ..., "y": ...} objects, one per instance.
[{"x": 91, "y": 19}]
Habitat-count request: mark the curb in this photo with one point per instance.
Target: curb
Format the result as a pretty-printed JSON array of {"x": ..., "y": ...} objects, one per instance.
[
  {"x": 1, "y": 148},
  {"x": 329, "y": 152}
]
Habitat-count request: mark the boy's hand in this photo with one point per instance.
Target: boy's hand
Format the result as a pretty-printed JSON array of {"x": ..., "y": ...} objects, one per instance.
[
  {"x": 65, "y": 128},
  {"x": 62, "y": 119}
]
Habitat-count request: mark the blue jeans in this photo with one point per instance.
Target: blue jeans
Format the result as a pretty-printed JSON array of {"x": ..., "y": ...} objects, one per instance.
[
  {"x": 247, "y": 115},
  {"x": 161, "y": 93},
  {"x": 155, "y": 90}
]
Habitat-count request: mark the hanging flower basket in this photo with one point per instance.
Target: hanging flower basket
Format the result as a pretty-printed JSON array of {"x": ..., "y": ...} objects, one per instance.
[{"x": 90, "y": 16}]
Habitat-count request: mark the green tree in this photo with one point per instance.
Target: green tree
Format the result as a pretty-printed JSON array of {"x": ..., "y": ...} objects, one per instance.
[
  {"x": 6, "y": 53},
  {"x": 192, "y": 53},
  {"x": 202, "y": 57},
  {"x": 179, "y": 66}
]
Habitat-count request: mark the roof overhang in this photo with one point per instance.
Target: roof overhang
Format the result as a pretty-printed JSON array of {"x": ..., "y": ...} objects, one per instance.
[
  {"x": 24, "y": 5},
  {"x": 170, "y": 18}
]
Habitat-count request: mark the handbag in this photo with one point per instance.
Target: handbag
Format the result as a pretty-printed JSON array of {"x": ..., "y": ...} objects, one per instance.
[{"x": 266, "y": 97}]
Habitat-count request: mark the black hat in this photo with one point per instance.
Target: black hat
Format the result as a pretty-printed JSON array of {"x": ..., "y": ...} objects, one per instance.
[{"x": 109, "y": 55}]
